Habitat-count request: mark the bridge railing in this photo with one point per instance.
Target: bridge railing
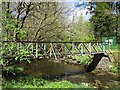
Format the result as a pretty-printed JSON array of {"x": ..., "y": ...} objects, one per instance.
[{"x": 39, "y": 49}]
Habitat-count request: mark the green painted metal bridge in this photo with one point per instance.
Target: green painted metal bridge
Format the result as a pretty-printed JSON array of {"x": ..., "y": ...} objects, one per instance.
[{"x": 57, "y": 49}]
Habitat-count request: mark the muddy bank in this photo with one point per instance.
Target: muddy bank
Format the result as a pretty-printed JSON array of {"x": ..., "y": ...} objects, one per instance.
[{"x": 97, "y": 78}]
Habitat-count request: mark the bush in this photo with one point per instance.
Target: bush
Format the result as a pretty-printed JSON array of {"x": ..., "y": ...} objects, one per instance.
[
  {"x": 24, "y": 82},
  {"x": 12, "y": 71},
  {"x": 84, "y": 59},
  {"x": 115, "y": 68}
]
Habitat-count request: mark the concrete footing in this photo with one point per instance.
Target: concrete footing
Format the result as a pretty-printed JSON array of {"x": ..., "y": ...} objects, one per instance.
[{"x": 96, "y": 60}]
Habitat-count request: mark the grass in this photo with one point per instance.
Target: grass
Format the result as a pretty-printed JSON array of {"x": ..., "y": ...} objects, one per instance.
[
  {"x": 32, "y": 82},
  {"x": 116, "y": 48}
]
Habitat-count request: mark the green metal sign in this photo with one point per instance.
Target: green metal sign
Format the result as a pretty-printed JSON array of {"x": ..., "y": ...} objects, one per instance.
[{"x": 111, "y": 40}]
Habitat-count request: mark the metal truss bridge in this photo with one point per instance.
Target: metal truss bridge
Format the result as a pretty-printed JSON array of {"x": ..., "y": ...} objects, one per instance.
[{"x": 57, "y": 49}]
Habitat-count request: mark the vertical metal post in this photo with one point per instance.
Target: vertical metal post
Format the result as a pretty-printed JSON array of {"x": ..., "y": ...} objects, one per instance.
[
  {"x": 53, "y": 51},
  {"x": 50, "y": 52},
  {"x": 90, "y": 48},
  {"x": 97, "y": 47},
  {"x": 36, "y": 50},
  {"x": 32, "y": 47},
  {"x": 45, "y": 49},
  {"x": 102, "y": 46},
  {"x": 82, "y": 48},
  {"x": 63, "y": 51},
  {"x": 72, "y": 48}
]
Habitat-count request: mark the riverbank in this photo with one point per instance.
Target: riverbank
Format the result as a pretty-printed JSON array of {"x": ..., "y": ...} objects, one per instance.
[
  {"x": 62, "y": 73},
  {"x": 47, "y": 74},
  {"x": 37, "y": 82},
  {"x": 94, "y": 80}
]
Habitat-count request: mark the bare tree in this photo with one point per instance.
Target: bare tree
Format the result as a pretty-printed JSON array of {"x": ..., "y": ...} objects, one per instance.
[
  {"x": 40, "y": 21},
  {"x": 47, "y": 21}
]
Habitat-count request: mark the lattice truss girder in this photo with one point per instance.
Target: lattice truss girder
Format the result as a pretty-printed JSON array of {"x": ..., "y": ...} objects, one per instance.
[{"x": 57, "y": 49}]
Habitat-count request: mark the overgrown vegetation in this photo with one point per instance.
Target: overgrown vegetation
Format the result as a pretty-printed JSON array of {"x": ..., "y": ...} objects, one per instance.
[
  {"x": 13, "y": 69},
  {"x": 31, "y": 82},
  {"x": 114, "y": 68},
  {"x": 83, "y": 59},
  {"x": 46, "y": 21},
  {"x": 115, "y": 65}
]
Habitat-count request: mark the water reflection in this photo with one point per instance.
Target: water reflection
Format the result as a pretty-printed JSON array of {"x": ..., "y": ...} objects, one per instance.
[
  {"x": 50, "y": 69},
  {"x": 74, "y": 73}
]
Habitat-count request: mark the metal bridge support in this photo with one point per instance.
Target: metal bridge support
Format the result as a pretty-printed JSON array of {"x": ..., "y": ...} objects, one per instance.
[
  {"x": 36, "y": 50},
  {"x": 45, "y": 50},
  {"x": 60, "y": 49},
  {"x": 96, "y": 59}
]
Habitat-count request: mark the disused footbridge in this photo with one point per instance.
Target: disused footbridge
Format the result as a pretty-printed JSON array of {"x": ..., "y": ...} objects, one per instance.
[
  {"x": 36, "y": 50},
  {"x": 56, "y": 49}
]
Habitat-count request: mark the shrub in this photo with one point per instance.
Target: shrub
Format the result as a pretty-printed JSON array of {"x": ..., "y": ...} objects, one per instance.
[{"x": 84, "y": 59}]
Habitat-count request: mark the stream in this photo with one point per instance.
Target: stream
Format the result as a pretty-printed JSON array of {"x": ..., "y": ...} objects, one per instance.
[{"x": 74, "y": 73}]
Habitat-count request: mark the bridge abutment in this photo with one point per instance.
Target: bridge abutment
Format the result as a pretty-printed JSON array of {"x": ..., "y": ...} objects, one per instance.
[{"x": 96, "y": 59}]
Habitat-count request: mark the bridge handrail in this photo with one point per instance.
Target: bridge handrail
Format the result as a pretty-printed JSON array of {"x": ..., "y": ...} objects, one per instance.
[{"x": 50, "y": 42}]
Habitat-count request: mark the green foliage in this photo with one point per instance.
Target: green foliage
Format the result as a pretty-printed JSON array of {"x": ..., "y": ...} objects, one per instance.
[
  {"x": 103, "y": 20},
  {"x": 31, "y": 82},
  {"x": 12, "y": 49},
  {"x": 25, "y": 82},
  {"x": 21, "y": 54},
  {"x": 65, "y": 84},
  {"x": 10, "y": 28},
  {"x": 13, "y": 69},
  {"x": 118, "y": 47},
  {"x": 1, "y": 61},
  {"x": 81, "y": 31},
  {"x": 84, "y": 59},
  {"x": 114, "y": 67}
]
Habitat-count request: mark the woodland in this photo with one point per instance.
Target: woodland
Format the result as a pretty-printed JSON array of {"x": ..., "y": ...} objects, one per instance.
[{"x": 46, "y": 22}]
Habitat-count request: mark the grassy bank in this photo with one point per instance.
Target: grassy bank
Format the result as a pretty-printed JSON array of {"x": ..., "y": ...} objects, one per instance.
[{"x": 34, "y": 82}]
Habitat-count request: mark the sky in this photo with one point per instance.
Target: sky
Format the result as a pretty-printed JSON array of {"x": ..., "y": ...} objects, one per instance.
[{"x": 79, "y": 11}]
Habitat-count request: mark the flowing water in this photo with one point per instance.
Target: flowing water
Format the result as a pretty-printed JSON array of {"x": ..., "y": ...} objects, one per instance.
[
  {"x": 73, "y": 73},
  {"x": 48, "y": 69}
]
